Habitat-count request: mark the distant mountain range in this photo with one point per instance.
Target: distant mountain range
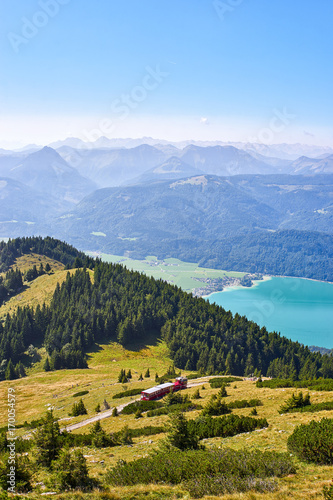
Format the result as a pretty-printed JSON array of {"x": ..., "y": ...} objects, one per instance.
[
  {"x": 282, "y": 151},
  {"x": 191, "y": 202},
  {"x": 280, "y": 224},
  {"x": 142, "y": 217},
  {"x": 114, "y": 167}
]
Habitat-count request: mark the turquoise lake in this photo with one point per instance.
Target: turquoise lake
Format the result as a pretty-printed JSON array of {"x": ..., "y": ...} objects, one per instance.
[{"x": 297, "y": 308}]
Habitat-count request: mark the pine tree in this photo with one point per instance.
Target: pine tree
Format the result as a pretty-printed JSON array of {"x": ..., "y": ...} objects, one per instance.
[
  {"x": 47, "y": 440},
  {"x": 78, "y": 409},
  {"x": 99, "y": 436},
  {"x": 106, "y": 405},
  {"x": 10, "y": 373},
  {"x": 147, "y": 374},
  {"x": 70, "y": 471},
  {"x": 20, "y": 370},
  {"x": 47, "y": 366},
  {"x": 222, "y": 392},
  {"x": 179, "y": 435},
  {"x": 122, "y": 378}
]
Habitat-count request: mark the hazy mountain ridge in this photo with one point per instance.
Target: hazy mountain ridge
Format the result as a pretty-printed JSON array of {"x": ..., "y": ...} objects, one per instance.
[
  {"x": 48, "y": 172},
  {"x": 117, "y": 166},
  {"x": 174, "y": 208},
  {"x": 305, "y": 165},
  {"x": 282, "y": 150},
  {"x": 172, "y": 168}
]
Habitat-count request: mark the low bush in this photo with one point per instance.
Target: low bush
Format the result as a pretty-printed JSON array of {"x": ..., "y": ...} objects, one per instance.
[
  {"x": 328, "y": 492},
  {"x": 148, "y": 430},
  {"x": 313, "y": 442},
  {"x": 81, "y": 393},
  {"x": 208, "y": 427},
  {"x": 243, "y": 403},
  {"x": 124, "y": 394},
  {"x": 189, "y": 406},
  {"x": 275, "y": 383},
  {"x": 193, "y": 376},
  {"x": 141, "y": 405},
  {"x": 320, "y": 384},
  {"x": 313, "y": 408},
  {"x": 104, "y": 440},
  {"x": 218, "y": 382},
  {"x": 215, "y": 406},
  {"x": 193, "y": 468}
]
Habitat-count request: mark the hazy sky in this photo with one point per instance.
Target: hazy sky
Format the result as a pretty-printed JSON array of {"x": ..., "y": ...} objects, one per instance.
[{"x": 257, "y": 70}]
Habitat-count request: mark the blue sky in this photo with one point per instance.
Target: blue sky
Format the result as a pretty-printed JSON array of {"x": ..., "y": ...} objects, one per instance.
[{"x": 175, "y": 69}]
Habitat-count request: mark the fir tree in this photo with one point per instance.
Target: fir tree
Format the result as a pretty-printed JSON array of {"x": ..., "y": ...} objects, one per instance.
[
  {"x": 10, "y": 373},
  {"x": 47, "y": 366},
  {"x": 47, "y": 440},
  {"x": 70, "y": 471},
  {"x": 179, "y": 435}
]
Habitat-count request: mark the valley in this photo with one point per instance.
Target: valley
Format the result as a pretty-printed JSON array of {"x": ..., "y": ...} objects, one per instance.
[{"x": 188, "y": 276}]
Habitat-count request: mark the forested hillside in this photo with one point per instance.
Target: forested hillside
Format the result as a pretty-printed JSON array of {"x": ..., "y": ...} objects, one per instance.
[
  {"x": 278, "y": 224},
  {"x": 50, "y": 247},
  {"x": 127, "y": 307}
]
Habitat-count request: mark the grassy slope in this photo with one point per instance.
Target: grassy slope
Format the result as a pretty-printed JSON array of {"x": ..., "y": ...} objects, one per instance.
[{"x": 40, "y": 390}]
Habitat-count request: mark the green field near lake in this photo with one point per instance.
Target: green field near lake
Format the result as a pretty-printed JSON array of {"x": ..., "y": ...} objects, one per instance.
[{"x": 186, "y": 275}]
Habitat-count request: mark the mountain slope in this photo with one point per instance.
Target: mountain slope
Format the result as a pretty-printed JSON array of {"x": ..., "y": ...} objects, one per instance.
[
  {"x": 224, "y": 160},
  {"x": 173, "y": 168},
  {"x": 193, "y": 218},
  {"x": 47, "y": 172},
  {"x": 311, "y": 166},
  {"x": 112, "y": 167},
  {"x": 23, "y": 210},
  {"x": 304, "y": 202},
  {"x": 203, "y": 207}
]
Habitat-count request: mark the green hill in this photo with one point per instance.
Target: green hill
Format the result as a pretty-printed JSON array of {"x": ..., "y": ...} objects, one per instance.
[{"x": 123, "y": 306}]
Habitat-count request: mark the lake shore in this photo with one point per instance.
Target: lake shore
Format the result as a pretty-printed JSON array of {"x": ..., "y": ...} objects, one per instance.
[{"x": 233, "y": 284}]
